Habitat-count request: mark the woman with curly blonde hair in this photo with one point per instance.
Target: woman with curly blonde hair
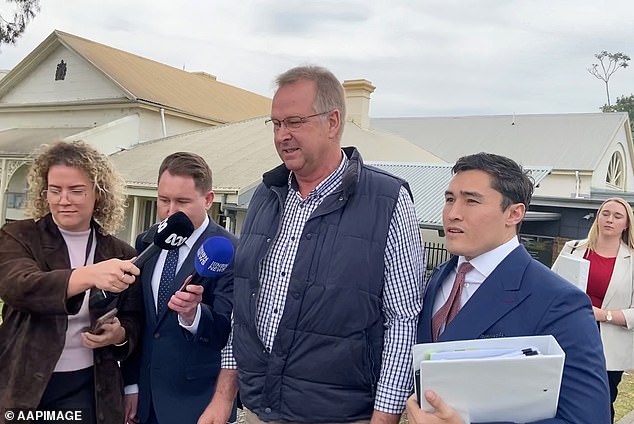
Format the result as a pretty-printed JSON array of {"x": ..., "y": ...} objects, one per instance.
[
  {"x": 60, "y": 356},
  {"x": 110, "y": 204}
]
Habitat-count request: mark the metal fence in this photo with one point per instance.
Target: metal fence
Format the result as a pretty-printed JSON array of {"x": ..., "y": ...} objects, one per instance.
[{"x": 435, "y": 254}]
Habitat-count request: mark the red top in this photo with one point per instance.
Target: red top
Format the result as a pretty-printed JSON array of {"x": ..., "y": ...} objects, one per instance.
[{"x": 599, "y": 276}]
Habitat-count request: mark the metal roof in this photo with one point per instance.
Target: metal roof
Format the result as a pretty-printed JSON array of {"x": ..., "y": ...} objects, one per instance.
[
  {"x": 574, "y": 141},
  {"x": 146, "y": 80},
  {"x": 428, "y": 183},
  {"x": 240, "y": 153},
  {"x": 23, "y": 141}
]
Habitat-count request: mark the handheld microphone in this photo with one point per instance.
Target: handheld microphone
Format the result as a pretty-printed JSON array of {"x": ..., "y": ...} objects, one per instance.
[
  {"x": 212, "y": 259},
  {"x": 170, "y": 234}
]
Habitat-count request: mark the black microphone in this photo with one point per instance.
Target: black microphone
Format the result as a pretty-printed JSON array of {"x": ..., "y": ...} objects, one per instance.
[
  {"x": 170, "y": 234},
  {"x": 212, "y": 259}
]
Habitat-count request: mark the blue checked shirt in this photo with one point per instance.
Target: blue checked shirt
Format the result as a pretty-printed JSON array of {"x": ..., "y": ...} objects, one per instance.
[{"x": 402, "y": 295}]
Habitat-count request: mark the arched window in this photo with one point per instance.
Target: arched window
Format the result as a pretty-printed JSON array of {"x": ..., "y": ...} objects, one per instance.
[{"x": 616, "y": 171}]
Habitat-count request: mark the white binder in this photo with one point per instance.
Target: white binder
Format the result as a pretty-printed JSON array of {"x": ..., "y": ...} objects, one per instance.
[
  {"x": 574, "y": 269},
  {"x": 518, "y": 388}
]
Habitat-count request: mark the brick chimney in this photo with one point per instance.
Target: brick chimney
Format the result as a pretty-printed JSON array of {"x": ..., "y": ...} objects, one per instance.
[{"x": 358, "y": 101}]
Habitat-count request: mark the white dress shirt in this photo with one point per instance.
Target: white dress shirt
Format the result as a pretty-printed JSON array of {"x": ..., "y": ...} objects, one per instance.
[
  {"x": 183, "y": 251},
  {"x": 483, "y": 266}
]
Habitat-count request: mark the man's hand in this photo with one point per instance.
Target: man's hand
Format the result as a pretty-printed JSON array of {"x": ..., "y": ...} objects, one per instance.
[
  {"x": 443, "y": 414},
  {"x": 186, "y": 302},
  {"x": 131, "y": 401},
  {"x": 219, "y": 409},
  {"x": 217, "y": 412},
  {"x": 379, "y": 417}
]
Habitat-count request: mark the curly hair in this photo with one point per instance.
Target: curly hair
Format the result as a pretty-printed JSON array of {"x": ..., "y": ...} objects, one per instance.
[{"x": 110, "y": 200}]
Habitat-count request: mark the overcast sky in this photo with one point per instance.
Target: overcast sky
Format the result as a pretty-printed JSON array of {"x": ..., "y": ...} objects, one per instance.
[{"x": 426, "y": 58}]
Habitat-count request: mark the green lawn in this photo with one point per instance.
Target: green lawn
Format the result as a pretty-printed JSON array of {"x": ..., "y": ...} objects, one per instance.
[{"x": 625, "y": 400}]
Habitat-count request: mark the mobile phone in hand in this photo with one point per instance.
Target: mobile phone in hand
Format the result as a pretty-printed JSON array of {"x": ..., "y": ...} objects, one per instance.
[
  {"x": 187, "y": 282},
  {"x": 104, "y": 319}
]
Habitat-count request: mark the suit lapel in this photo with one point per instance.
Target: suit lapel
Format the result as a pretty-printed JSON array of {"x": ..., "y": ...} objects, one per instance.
[
  {"x": 53, "y": 246},
  {"x": 431, "y": 291},
  {"x": 500, "y": 293},
  {"x": 148, "y": 293},
  {"x": 622, "y": 268}
]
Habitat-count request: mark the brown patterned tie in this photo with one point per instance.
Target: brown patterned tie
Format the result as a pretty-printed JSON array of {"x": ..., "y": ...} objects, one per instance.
[{"x": 450, "y": 309}]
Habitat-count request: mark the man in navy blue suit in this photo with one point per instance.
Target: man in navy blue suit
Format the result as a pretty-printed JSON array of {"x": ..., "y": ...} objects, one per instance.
[
  {"x": 493, "y": 288},
  {"x": 184, "y": 330}
]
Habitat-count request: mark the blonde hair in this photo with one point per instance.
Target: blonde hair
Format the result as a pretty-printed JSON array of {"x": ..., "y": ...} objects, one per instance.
[
  {"x": 627, "y": 236},
  {"x": 110, "y": 200}
]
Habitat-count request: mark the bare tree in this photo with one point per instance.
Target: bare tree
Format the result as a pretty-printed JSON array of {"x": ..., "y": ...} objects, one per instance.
[
  {"x": 12, "y": 25},
  {"x": 608, "y": 64}
]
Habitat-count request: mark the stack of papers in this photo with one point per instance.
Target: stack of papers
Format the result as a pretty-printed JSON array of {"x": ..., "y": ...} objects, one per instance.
[
  {"x": 513, "y": 379},
  {"x": 482, "y": 354}
]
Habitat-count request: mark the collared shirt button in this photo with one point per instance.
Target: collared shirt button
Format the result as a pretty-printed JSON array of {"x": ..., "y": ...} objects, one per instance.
[
  {"x": 268, "y": 240},
  {"x": 309, "y": 236},
  {"x": 267, "y": 410},
  {"x": 157, "y": 335}
]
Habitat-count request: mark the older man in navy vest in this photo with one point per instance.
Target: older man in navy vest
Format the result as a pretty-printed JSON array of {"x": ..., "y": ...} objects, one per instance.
[{"x": 328, "y": 275}]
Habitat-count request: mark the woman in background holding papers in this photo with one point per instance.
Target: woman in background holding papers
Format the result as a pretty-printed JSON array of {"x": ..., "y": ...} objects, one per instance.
[{"x": 609, "y": 249}]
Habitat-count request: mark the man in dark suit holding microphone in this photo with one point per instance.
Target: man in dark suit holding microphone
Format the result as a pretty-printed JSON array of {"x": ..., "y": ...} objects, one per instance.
[{"x": 185, "y": 329}]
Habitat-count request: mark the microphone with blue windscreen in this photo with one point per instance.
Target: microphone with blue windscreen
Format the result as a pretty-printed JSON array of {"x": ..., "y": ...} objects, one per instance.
[{"x": 212, "y": 259}]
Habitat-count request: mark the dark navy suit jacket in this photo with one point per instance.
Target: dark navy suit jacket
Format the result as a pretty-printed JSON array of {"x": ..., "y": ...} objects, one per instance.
[
  {"x": 176, "y": 371},
  {"x": 522, "y": 297}
]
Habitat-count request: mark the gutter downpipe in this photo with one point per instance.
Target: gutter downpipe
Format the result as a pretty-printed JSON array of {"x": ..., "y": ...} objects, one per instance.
[
  {"x": 163, "y": 122},
  {"x": 577, "y": 185}
]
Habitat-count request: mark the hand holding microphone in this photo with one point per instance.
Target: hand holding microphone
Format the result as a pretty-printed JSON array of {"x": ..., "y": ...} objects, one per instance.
[
  {"x": 212, "y": 259},
  {"x": 170, "y": 234}
]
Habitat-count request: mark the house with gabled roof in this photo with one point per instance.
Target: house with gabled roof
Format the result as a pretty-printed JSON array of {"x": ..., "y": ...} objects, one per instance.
[
  {"x": 69, "y": 87},
  {"x": 590, "y": 155},
  {"x": 587, "y": 151}
]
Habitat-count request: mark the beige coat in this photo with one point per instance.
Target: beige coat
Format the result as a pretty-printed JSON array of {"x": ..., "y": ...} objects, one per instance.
[{"x": 618, "y": 341}]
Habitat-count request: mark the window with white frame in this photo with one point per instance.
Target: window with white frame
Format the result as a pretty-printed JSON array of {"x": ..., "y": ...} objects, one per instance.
[{"x": 616, "y": 171}]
